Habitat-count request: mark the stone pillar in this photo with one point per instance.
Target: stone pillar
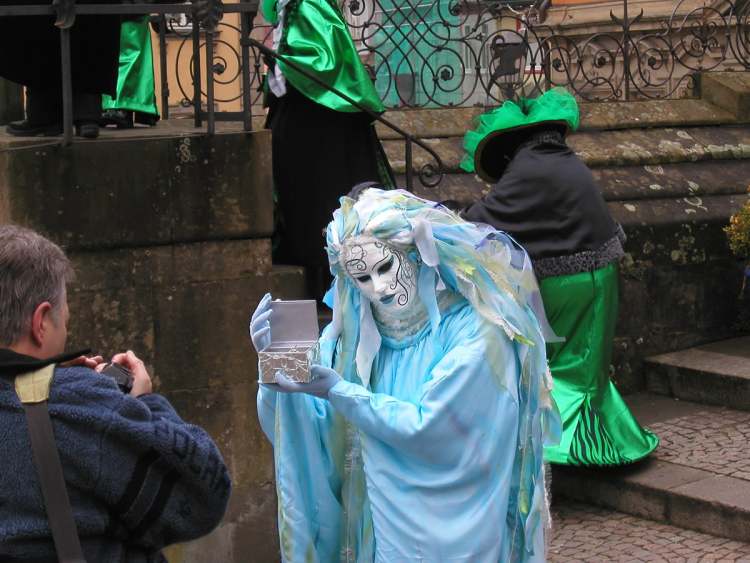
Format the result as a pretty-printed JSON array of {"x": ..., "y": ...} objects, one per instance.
[{"x": 11, "y": 101}]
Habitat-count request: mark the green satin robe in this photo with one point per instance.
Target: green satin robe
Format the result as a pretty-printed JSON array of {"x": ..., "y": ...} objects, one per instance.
[
  {"x": 316, "y": 38},
  {"x": 598, "y": 428},
  {"x": 135, "y": 79}
]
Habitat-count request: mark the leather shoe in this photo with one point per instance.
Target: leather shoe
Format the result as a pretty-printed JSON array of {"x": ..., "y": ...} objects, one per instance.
[
  {"x": 27, "y": 128},
  {"x": 120, "y": 118},
  {"x": 87, "y": 129}
]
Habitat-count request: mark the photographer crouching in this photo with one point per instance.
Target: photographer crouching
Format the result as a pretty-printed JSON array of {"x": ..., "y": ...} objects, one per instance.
[{"x": 94, "y": 466}]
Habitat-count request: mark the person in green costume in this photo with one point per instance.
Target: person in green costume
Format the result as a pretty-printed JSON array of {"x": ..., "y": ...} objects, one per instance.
[
  {"x": 322, "y": 144},
  {"x": 546, "y": 197},
  {"x": 135, "y": 100}
]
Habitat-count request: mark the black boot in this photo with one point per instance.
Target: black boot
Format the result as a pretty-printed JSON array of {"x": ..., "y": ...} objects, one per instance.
[
  {"x": 120, "y": 118},
  {"x": 26, "y": 128},
  {"x": 43, "y": 114},
  {"x": 87, "y": 111},
  {"x": 146, "y": 118}
]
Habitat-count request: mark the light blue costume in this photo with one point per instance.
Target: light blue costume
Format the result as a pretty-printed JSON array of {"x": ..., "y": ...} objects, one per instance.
[{"x": 435, "y": 455}]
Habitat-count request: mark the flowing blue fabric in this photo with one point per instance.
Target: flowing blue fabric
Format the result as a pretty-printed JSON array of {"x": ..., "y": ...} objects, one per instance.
[{"x": 436, "y": 453}]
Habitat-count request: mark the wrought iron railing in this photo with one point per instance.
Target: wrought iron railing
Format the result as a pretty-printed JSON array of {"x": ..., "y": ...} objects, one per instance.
[
  {"x": 452, "y": 53},
  {"x": 443, "y": 53}
]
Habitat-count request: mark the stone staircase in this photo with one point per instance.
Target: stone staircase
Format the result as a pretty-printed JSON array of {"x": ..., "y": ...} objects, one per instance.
[{"x": 672, "y": 172}]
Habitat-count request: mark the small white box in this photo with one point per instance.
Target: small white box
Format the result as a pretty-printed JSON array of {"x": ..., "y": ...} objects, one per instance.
[{"x": 294, "y": 342}]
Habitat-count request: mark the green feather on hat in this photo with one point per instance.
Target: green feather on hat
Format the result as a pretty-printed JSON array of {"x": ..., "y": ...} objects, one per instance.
[{"x": 499, "y": 132}]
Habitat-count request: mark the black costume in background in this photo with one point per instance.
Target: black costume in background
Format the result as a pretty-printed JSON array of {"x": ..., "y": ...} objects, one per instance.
[
  {"x": 548, "y": 201},
  {"x": 30, "y": 55},
  {"x": 318, "y": 155}
]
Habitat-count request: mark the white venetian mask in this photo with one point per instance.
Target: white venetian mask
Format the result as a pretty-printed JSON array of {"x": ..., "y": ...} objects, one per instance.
[{"x": 383, "y": 274}]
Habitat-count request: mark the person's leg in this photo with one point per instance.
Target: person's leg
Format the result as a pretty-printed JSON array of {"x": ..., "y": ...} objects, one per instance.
[
  {"x": 135, "y": 101},
  {"x": 87, "y": 110},
  {"x": 35, "y": 43},
  {"x": 43, "y": 113},
  {"x": 319, "y": 155}
]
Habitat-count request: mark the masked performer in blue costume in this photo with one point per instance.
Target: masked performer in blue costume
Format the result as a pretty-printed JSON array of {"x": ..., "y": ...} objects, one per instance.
[{"x": 421, "y": 435}]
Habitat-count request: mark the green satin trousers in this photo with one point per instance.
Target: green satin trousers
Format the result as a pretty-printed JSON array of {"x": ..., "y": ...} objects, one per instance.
[
  {"x": 135, "y": 79},
  {"x": 598, "y": 427}
]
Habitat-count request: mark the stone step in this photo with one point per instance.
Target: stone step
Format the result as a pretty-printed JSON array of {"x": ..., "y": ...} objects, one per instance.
[
  {"x": 170, "y": 184},
  {"x": 598, "y": 149},
  {"x": 712, "y": 374},
  {"x": 454, "y": 122},
  {"x": 729, "y": 91},
  {"x": 698, "y": 478},
  {"x": 693, "y": 180},
  {"x": 591, "y": 534}
]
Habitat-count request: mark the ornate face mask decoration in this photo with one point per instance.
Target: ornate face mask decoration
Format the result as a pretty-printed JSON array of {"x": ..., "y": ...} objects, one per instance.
[{"x": 383, "y": 274}]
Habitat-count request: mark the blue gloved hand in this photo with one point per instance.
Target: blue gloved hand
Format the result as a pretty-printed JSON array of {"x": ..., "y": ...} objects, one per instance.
[
  {"x": 259, "y": 326},
  {"x": 324, "y": 380}
]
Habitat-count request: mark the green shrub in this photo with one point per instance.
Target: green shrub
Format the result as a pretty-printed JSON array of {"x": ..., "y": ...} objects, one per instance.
[{"x": 738, "y": 232}]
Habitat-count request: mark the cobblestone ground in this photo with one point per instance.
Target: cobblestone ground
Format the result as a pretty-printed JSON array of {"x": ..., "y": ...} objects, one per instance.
[
  {"x": 711, "y": 441},
  {"x": 583, "y": 533}
]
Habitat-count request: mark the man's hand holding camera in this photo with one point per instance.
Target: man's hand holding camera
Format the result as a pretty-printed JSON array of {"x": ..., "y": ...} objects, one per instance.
[
  {"x": 141, "y": 378},
  {"x": 141, "y": 384}
]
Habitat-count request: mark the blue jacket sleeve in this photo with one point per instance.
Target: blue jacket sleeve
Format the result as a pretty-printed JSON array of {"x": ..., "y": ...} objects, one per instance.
[{"x": 164, "y": 480}]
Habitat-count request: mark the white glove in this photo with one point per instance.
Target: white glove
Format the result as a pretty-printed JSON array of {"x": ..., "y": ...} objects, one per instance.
[
  {"x": 259, "y": 326},
  {"x": 324, "y": 380}
]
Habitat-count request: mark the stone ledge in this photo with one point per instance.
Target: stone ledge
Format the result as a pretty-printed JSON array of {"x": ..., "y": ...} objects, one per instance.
[
  {"x": 623, "y": 183},
  {"x": 664, "y": 492},
  {"x": 713, "y": 374},
  {"x": 455, "y": 122},
  {"x": 729, "y": 91},
  {"x": 668, "y": 211},
  {"x": 141, "y": 191},
  {"x": 633, "y": 147},
  {"x": 288, "y": 282}
]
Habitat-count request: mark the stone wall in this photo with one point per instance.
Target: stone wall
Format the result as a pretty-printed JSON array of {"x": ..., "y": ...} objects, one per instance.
[{"x": 170, "y": 240}]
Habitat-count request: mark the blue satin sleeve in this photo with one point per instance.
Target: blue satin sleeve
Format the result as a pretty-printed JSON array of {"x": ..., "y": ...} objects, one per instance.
[
  {"x": 456, "y": 402},
  {"x": 266, "y": 405}
]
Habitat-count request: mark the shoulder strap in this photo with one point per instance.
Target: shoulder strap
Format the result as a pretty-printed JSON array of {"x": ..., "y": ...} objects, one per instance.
[{"x": 33, "y": 391}]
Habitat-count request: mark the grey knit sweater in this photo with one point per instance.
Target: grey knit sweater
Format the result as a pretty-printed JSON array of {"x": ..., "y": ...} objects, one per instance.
[{"x": 138, "y": 476}]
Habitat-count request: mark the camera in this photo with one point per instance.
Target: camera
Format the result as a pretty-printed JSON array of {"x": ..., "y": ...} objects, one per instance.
[{"x": 121, "y": 375}]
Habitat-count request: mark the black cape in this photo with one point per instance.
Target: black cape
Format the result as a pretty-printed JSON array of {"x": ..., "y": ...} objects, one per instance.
[{"x": 548, "y": 201}]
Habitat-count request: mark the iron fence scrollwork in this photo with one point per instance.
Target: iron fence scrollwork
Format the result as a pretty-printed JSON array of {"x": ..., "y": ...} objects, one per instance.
[{"x": 447, "y": 53}]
